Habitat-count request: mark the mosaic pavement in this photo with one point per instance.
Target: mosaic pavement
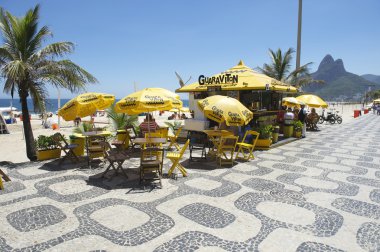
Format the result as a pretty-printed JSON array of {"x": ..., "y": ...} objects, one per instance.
[{"x": 321, "y": 193}]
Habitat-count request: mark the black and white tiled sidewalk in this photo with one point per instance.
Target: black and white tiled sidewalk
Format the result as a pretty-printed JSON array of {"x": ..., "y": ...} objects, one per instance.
[{"x": 320, "y": 193}]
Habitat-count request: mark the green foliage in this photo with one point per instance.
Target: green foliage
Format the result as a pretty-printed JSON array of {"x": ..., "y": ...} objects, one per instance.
[
  {"x": 83, "y": 127},
  {"x": 280, "y": 69},
  {"x": 28, "y": 63},
  {"x": 174, "y": 126},
  {"x": 121, "y": 120},
  {"x": 45, "y": 143},
  {"x": 373, "y": 95},
  {"x": 298, "y": 126},
  {"x": 265, "y": 131}
]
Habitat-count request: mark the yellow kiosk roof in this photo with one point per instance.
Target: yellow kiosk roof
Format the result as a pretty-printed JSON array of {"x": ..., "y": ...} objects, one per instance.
[{"x": 239, "y": 77}]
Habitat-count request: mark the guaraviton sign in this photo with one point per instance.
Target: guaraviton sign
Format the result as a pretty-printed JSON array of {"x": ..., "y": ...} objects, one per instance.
[{"x": 221, "y": 79}]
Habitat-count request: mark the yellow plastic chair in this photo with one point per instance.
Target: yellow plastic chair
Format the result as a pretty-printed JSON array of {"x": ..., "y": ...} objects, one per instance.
[
  {"x": 175, "y": 157},
  {"x": 226, "y": 150},
  {"x": 246, "y": 149},
  {"x": 173, "y": 139}
]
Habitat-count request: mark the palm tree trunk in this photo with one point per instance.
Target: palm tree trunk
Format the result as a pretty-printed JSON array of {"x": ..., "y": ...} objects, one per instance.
[{"x": 28, "y": 133}]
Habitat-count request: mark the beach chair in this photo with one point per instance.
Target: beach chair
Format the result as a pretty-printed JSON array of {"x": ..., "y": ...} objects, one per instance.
[
  {"x": 164, "y": 132},
  {"x": 226, "y": 150},
  {"x": 5, "y": 177},
  {"x": 246, "y": 148},
  {"x": 130, "y": 129},
  {"x": 151, "y": 164},
  {"x": 173, "y": 139},
  {"x": 175, "y": 157},
  {"x": 153, "y": 135},
  {"x": 120, "y": 144},
  {"x": 198, "y": 142},
  {"x": 95, "y": 148},
  {"x": 67, "y": 148},
  {"x": 114, "y": 158}
]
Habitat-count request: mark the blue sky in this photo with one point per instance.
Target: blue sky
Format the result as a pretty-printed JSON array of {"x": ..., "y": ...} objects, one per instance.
[{"x": 121, "y": 42}]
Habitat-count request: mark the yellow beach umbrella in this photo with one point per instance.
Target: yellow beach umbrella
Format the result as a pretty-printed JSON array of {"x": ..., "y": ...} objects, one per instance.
[
  {"x": 312, "y": 101},
  {"x": 377, "y": 101},
  {"x": 148, "y": 99},
  {"x": 239, "y": 77},
  {"x": 291, "y": 102},
  {"x": 85, "y": 105},
  {"x": 225, "y": 109}
]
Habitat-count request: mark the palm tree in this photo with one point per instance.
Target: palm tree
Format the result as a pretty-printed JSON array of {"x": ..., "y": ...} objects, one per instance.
[
  {"x": 280, "y": 69},
  {"x": 27, "y": 67}
]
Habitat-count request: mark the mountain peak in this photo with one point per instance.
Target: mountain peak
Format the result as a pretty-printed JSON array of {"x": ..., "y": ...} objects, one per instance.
[
  {"x": 328, "y": 64},
  {"x": 339, "y": 84}
]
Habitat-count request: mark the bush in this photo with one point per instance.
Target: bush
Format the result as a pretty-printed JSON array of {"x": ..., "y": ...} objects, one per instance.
[
  {"x": 265, "y": 131},
  {"x": 45, "y": 143},
  {"x": 298, "y": 126}
]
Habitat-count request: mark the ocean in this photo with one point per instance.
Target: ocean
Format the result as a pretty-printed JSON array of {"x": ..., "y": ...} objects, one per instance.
[{"x": 51, "y": 104}]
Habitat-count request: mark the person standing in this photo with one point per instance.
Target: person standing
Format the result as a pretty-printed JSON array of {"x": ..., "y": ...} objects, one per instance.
[{"x": 302, "y": 117}]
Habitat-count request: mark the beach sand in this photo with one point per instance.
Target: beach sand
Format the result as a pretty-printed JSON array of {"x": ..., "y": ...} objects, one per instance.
[{"x": 12, "y": 145}]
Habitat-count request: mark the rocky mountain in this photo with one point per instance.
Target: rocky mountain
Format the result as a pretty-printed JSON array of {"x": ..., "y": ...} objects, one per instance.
[
  {"x": 371, "y": 77},
  {"x": 339, "y": 84}
]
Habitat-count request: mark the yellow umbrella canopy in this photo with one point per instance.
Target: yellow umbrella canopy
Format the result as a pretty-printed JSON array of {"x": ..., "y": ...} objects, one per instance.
[
  {"x": 85, "y": 104},
  {"x": 239, "y": 77},
  {"x": 225, "y": 109},
  {"x": 377, "y": 101},
  {"x": 312, "y": 101},
  {"x": 291, "y": 102},
  {"x": 148, "y": 99}
]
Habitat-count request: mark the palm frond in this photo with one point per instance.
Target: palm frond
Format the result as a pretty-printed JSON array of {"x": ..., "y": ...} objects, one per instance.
[
  {"x": 121, "y": 120},
  {"x": 39, "y": 95}
]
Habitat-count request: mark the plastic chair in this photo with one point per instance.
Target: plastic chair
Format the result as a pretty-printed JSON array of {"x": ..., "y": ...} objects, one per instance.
[
  {"x": 173, "y": 139},
  {"x": 226, "y": 150},
  {"x": 246, "y": 149},
  {"x": 175, "y": 157},
  {"x": 67, "y": 148},
  {"x": 151, "y": 164}
]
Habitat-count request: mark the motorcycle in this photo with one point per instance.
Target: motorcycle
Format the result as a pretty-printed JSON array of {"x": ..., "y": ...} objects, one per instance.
[{"x": 329, "y": 118}]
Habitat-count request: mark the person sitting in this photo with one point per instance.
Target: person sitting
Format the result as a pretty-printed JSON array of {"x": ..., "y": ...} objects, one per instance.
[
  {"x": 148, "y": 125},
  {"x": 312, "y": 120},
  {"x": 77, "y": 121},
  {"x": 183, "y": 116},
  {"x": 172, "y": 117}
]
